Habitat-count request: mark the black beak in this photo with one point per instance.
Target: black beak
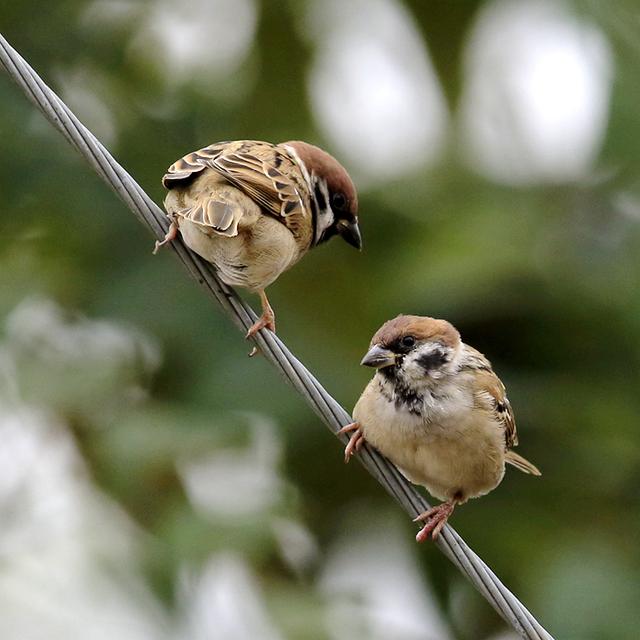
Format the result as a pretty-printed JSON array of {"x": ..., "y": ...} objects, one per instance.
[
  {"x": 379, "y": 357},
  {"x": 350, "y": 231}
]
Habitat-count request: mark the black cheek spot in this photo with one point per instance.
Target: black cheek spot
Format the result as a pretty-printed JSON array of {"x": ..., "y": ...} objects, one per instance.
[
  {"x": 314, "y": 212},
  {"x": 431, "y": 361},
  {"x": 319, "y": 197}
]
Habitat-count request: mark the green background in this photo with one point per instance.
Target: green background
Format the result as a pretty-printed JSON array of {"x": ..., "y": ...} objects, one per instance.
[{"x": 543, "y": 277}]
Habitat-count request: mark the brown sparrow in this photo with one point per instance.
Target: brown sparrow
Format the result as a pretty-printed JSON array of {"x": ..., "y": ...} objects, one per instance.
[
  {"x": 253, "y": 209},
  {"x": 438, "y": 411}
]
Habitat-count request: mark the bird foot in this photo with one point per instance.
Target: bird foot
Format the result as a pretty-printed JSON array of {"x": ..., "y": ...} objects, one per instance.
[
  {"x": 169, "y": 236},
  {"x": 355, "y": 442},
  {"x": 434, "y": 519},
  {"x": 265, "y": 321}
]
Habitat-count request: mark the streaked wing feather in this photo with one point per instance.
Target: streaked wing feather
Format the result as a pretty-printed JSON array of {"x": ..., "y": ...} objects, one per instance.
[
  {"x": 263, "y": 182},
  {"x": 505, "y": 412},
  {"x": 258, "y": 168},
  {"x": 490, "y": 390},
  {"x": 192, "y": 163}
]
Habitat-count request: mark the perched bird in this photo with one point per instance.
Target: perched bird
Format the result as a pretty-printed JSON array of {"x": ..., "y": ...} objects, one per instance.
[
  {"x": 438, "y": 411},
  {"x": 253, "y": 209}
]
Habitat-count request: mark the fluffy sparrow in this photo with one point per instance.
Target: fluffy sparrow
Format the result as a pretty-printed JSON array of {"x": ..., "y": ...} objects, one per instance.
[
  {"x": 253, "y": 209},
  {"x": 438, "y": 411}
]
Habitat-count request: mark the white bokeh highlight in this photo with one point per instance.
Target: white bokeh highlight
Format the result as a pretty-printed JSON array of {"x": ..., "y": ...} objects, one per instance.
[
  {"x": 374, "y": 92},
  {"x": 68, "y": 555},
  {"x": 40, "y": 328},
  {"x": 373, "y": 585},
  {"x": 236, "y": 482},
  {"x": 224, "y": 602},
  {"x": 196, "y": 41},
  {"x": 536, "y": 100}
]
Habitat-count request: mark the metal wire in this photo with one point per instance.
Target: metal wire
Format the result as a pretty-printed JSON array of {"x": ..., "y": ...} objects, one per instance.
[{"x": 329, "y": 411}]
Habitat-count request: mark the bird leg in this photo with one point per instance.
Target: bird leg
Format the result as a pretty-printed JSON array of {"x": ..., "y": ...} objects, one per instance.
[
  {"x": 169, "y": 236},
  {"x": 434, "y": 519},
  {"x": 267, "y": 320},
  {"x": 355, "y": 442}
]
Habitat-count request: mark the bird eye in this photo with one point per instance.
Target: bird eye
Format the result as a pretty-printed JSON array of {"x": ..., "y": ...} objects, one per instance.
[
  {"x": 408, "y": 341},
  {"x": 338, "y": 201}
]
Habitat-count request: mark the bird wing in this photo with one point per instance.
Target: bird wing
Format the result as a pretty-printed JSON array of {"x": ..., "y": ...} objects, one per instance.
[
  {"x": 265, "y": 172},
  {"x": 491, "y": 394},
  {"x": 502, "y": 409}
]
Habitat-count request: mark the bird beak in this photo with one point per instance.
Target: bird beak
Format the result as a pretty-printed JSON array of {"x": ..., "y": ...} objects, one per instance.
[
  {"x": 350, "y": 231},
  {"x": 379, "y": 357}
]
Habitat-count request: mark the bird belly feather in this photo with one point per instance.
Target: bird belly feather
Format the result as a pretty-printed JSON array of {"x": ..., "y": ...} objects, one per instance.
[
  {"x": 451, "y": 452},
  {"x": 250, "y": 249}
]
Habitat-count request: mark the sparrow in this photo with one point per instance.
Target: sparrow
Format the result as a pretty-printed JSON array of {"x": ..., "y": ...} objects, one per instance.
[
  {"x": 253, "y": 209},
  {"x": 438, "y": 411}
]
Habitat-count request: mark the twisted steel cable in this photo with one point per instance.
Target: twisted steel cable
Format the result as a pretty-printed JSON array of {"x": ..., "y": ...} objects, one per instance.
[{"x": 329, "y": 411}]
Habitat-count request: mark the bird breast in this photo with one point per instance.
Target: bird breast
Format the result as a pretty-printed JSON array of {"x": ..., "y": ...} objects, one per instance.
[{"x": 445, "y": 445}]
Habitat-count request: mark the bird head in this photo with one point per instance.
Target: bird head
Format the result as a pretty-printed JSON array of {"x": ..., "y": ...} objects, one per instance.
[
  {"x": 333, "y": 194},
  {"x": 414, "y": 349}
]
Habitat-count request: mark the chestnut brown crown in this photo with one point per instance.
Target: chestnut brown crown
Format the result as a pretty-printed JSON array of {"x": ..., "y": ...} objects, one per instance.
[
  {"x": 324, "y": 165},
  {"x": 422, "y": 328}
]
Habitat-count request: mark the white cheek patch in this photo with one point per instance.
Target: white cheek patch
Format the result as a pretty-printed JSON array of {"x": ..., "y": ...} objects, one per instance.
[
  {"x": 325, "y": 216},
  {"x": 411, "y": 370}
]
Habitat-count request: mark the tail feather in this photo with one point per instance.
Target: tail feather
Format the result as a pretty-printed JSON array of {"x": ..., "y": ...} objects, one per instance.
[{"x": 521, "y": 463}]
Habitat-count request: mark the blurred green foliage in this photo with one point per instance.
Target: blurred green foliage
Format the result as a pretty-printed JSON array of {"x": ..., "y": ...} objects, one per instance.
[{"x": 543, "y": 279}]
